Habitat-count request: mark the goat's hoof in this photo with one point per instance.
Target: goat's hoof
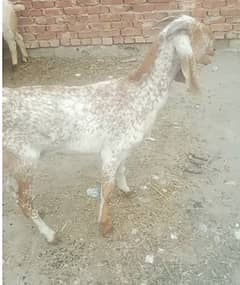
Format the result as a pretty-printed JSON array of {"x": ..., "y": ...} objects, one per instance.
[
  {"x": 129, "y": 193},
  {"x": 14, "y": 67},
  {"x": 106, "y": 227},
  {"x": 25, "y": 59},
  {"x": 55, "y": 239}
]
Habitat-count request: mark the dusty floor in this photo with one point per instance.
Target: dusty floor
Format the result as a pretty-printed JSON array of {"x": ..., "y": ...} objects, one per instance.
[{"x": 185, "y": 213}]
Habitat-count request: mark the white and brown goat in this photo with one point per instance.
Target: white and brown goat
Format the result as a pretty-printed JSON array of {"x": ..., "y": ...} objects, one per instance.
[
  {"x": 109, "y": 117},
  {"x": 10, "y": 32}
]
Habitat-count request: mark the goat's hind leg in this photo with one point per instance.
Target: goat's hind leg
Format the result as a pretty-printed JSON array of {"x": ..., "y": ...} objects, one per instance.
[
  {"x": 26, "y": 204},
  {"x": 10, "y": 39},
  {"x": 19, "y": 40},
  {"x": 22, "y": 173}
]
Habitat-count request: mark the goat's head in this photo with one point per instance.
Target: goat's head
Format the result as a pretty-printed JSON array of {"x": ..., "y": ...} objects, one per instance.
[{"x": 194, "y": 44}]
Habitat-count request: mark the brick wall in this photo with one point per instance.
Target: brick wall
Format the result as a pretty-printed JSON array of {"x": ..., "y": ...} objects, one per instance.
[{"x": 53, "y": 23}]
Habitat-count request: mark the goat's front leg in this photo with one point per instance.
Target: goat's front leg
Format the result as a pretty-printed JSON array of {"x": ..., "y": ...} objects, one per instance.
[
  {"x": 105, "y": 218},
  {"x": 111, "y": 159}
]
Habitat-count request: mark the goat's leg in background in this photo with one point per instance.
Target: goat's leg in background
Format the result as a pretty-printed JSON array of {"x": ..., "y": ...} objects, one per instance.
[
  {"x": 9, "y": 38},
  {"x": 19, "y": 40},
  {"x": 121, "y": 178}
]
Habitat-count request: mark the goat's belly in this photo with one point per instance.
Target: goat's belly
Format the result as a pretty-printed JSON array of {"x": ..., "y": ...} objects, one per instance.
[{"x": 91, "y": 144}]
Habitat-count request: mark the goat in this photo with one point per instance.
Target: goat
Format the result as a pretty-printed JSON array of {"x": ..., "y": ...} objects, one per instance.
[
  {"x": 109, "y": 117},
  {"x": 10, "y": 33}
]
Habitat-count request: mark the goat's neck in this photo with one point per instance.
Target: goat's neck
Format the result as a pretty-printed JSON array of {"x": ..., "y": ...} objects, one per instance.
[{"x": 154, "y": 85}]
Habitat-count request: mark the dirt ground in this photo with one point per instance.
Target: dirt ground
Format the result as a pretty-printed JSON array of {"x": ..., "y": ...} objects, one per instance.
[{"x": 181, "y": 226}]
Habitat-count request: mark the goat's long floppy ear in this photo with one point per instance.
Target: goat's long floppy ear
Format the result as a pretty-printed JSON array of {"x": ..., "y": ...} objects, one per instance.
[
  {"x": 189, "y": 70},
  {"x": 187, "y": 61}
]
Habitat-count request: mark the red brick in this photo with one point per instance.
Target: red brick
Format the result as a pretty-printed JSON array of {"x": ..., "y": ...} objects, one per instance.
[
  {"x": 65, "y": 42},
  {"x": 28, "y": 4},
  {"x": 109, "y": 17},
  {"x": 233, "y": 20},
  {"x": 110, "y": 2},
  {"x": 219, "y": 35},
  {"x": 35, "y": 29},
  {"x": 213, "y": 4},
  {"x": 129, "y": 40},
  {"x": 236, "y": 27},
  {"x": 101, "y": 26},
  {"x": 77, "y": 27},
  {"x": 107, "y": 41},
  {"x": 158, "y": 1},
  {"x": 87, "y": 2},
  {"x": 230, "y": 11},
  {"x": 46, "y": 35},
  {"x": 232, "y": 35},
  {"x": 97, "y": 9},
  {"x": 42, "y": 4},
  {"x": 28, "y": 37},
  {"x": 139, "y": 39},
  {"x": 214, "y": 12},
  {"x": 149, "y": 39},
  {"x": 135, "y": 1},
  {"x": 112, "y": 33},
  {"x": 66, "y": 19},
  {"x": 221, "y": 27},
  {"x": 63, "y": 3},
  {"x": 150, "y": 7},
  {"x": 57, "y": 28},
  {"x": 67, "y": 35},
  {"x": 128, "y": 16},
  {"x": 118, "y": 40},
  {"x": 25, "y": 21},
  {"x": 82, "y": 18},
  {"x": 45, "y": 20},
  {"x": 214, "y": 20},
  {"x": 85, "y": 34},
  {"x": 34, "y": 44},
  {"x": 154, "y": 15},
  {"x": 52, "y": 11},
  {"x": 131, "y": 32},
  {"x": 74, "y": 10},
  {"x": 86, "y": 42},
  {"x": 44, "y": 44},
  {"x": 31, "y": 12},
  {"x": 75, "y": 42},
  {"x": 96, "y": 41},
  {"x": 199, "y": 13},
  {"x": 54, "y": 43},
  {"x": 233, "y": 3},
  {"x": 116, "y": 9},
  {"x": 122, "y": 24}
]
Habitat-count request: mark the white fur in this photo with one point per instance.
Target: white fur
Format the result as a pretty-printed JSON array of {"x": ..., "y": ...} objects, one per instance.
[
  {"x": 10, "y": 33},
  {"x": 109, "y": 117},
  {"x": 44, "y": 229}
]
